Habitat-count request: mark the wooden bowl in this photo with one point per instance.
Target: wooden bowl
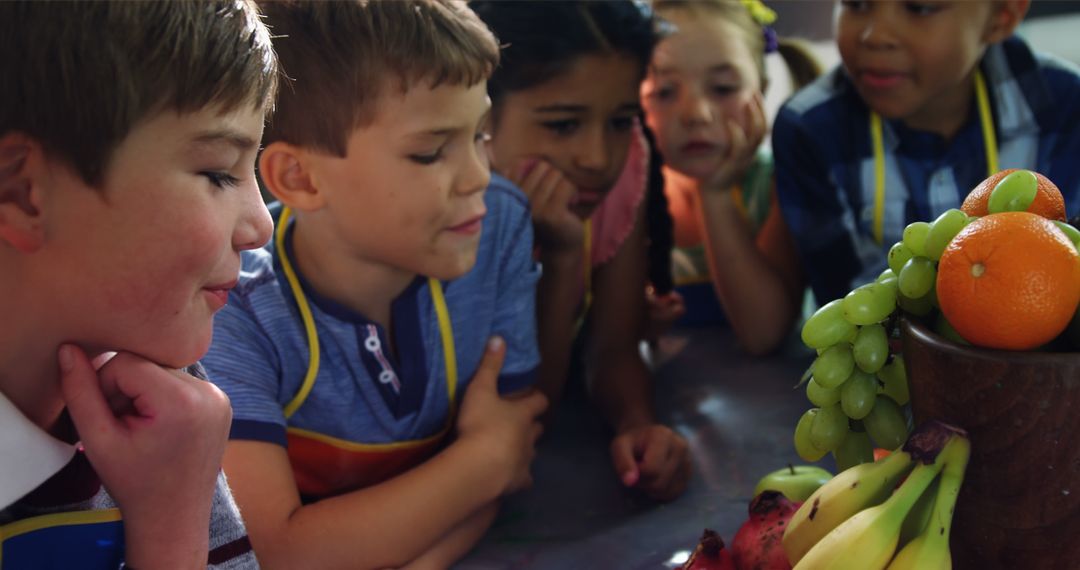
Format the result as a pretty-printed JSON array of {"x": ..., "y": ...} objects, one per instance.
[{"x": 1020, "y": 503}]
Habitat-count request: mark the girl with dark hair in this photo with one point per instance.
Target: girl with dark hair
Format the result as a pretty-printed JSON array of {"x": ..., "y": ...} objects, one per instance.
[{"x": 565, "y": 130}]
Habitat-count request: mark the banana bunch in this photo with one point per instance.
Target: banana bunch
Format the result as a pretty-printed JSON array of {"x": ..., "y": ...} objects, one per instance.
[{"x": 857, "y": 520}]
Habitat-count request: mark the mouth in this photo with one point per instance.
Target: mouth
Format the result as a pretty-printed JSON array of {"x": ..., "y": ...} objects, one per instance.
[
  {"x": 470, "y": 226},
  {"x": 880, "y": 79},
  {"x": 218, "y": 294},
  {"x": 587, "y": 198},
  {"x": 697, "y": 148}
]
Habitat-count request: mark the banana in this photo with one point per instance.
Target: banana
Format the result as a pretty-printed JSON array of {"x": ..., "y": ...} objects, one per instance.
[
  {"x": 930, "y": 550},
  {"x": 867, "y": 540},
  {"x": 840, "y": 498},
  {"x": 919, "y": 516}
]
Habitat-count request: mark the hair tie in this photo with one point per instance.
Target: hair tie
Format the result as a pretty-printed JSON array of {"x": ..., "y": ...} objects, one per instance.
[{"x": 764, "y": 16}]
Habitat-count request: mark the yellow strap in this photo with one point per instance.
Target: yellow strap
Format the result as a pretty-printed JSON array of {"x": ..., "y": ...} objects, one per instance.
[
  {"x": 446, "y": 331},
  {"x": 986, "y": 121},
  {"x": 305, "y": 316},
  {"x": 740, "y": 202},
  {"x": 879, "y": 178},
  {"x": 11, "y": 530}
]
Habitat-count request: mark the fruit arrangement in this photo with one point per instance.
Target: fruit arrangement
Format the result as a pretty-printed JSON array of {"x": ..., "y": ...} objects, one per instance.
[
  {"x": 757, "y": 544},
  {"x": 1002, "y": 272},
  {"x": 863, "y": 519}
]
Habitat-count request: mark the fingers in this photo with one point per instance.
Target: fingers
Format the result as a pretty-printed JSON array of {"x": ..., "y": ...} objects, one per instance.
[
  {"x": 624, "y": 460},
  {"x": 534, "y": 404},
  {"x": 82, "y": 393},
  {"x": 664, "y": 466},
  {"x": 757, "y": 124},
  {"x": 524, "y": 167},
  {"x": 487, "y": 374}
]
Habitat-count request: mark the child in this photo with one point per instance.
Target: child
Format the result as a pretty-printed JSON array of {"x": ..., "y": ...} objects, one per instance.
[
  {"x": 564, "y": 123},
  {"x": 344, "y": 349},
  {"x": 930, "y": 98},
  {"x": 128, "y": 136},
  {"x": 703, "y": 100}
]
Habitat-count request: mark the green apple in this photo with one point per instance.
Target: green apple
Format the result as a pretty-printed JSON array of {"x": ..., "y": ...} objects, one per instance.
[{"x": 796, "y": 483}]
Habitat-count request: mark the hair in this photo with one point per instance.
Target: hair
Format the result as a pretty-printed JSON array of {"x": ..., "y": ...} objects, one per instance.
[
  {"x": 342, "y": 56},
  {"x": 542, "y": 39},
  {"x": 801, "y": 64},
  {"x": 78, "y": 76}
]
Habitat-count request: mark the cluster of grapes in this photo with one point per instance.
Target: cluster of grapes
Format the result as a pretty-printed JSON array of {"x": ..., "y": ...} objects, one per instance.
[{"x": 857, "y": 383}]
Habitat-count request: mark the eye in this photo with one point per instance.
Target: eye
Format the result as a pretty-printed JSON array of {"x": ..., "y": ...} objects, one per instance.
[
  {"x": 855, "y": 5},
  {"x": 220, "y": 179},
  {"x": 426, "y": 159},
  {"x": 663, "y": 93},
  {"x": 921, "y": 9},
  {"x": 723, "y": 90},
  {"x": 563, "y": 127},
  {"x": 622, "y": 123}
]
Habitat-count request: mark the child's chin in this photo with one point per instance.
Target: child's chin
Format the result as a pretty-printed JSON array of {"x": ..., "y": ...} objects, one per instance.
[
  {"x": 182, "y": 353},
  {"x": 452, "y": 268}
]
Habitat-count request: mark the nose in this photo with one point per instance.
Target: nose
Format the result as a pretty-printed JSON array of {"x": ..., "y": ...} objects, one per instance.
[
  {"x": 694, "y": 109},
  {"x": 254, "y": 226},
  {"x": 593, "y": 152},
  {"x": 877, "y": 31},
  {"x": 476, "y": 174}
]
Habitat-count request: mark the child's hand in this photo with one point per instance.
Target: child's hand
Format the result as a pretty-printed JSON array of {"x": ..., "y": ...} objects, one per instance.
[
  {"x": 744, "y": 136},
  {"x": 504, "y": 430},
  {"x": 156, "y": 437},
  {"x": 661, "y": 312},
  {"x": 558, "y": 229},
  {"x": 652, "y": 458}
]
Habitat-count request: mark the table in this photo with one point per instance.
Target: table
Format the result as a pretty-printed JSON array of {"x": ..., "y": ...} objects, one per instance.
[{"x": 738, "y": 414}]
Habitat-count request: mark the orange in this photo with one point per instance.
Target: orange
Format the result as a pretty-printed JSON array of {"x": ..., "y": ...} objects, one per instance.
[
  {"x": 1009, "y": 280},
  {"x": 1048, "y": 201}
]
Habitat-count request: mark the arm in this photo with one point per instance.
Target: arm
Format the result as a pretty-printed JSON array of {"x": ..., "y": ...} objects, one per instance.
[
  {"x": 756, "y": 279},
  {"x": 399, "y": 520},
  {"x": 751, "y": 275},
  {"x": 559, "y": 234},
  {"x": 458, "y": 542},
  {"x": 645, "y": 454},
  {"x": 155, "y": 437}
]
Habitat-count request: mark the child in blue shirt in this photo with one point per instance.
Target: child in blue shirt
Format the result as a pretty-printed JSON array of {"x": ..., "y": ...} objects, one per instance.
[
  {"x": 128, "y": 137},
  {"x": 369, "y": 430},
  {"x": 906, "y": 100}
]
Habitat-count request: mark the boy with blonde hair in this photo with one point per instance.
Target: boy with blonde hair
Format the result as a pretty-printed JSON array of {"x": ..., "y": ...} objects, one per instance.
[
  {"x": 369, "y": 429},
  {"x": 128, "y": 137},
  {"x": 931, "y": 97}
]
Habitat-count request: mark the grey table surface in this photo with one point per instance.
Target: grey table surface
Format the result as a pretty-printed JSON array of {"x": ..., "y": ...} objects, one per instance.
[{"x": 738, "y": 414}]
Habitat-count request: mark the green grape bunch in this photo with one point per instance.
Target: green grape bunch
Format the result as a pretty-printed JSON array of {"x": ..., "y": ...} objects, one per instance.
[{"x": 858, "y": 383}]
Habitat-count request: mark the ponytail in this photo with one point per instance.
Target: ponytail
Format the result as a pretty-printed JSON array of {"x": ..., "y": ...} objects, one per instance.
[{"x": 800, "y": 61}]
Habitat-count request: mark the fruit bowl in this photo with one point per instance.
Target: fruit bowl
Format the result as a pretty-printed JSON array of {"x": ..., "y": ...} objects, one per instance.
[{"x": 1019, "y": 506}]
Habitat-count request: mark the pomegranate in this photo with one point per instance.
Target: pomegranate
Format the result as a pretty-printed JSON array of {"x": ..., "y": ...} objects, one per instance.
[
  {"x": 710, "y": 554},
  {"x": 757, "y": 544}
]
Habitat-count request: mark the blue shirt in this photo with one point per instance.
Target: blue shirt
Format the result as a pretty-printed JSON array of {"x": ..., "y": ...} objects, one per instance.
[
  {"x": 825, "y": 161},
  {"x": 259, "y": 356}
]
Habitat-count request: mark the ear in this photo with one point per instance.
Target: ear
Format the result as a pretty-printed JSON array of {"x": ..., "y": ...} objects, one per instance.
[
  {"x": 1006, "y": 17},
  {"x": 22, "y": 176},
  {"x": 286, "y": 173}
]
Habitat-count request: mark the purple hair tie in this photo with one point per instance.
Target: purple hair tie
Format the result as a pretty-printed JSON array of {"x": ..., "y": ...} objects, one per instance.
[{"x": 771, "y": 43}]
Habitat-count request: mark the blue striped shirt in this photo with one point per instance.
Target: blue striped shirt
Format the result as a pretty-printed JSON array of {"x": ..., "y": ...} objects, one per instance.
[
  {"x": 825, "y": 161},
  {"x": 259, "y": 356}
]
